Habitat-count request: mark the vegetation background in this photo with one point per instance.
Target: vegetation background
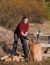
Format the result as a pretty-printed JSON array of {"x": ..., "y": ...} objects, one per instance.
[{"x": 11, "y": 11}]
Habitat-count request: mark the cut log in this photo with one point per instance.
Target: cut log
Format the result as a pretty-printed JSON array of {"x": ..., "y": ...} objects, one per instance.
[
  {"x": 16, "y": 58},
  {"x": 9, "y": 59},
  {"x": 35, "y": 51},
  {"x": 4, "y": 57}
]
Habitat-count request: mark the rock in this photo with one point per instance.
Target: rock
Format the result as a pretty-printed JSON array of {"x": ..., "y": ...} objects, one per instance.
[{"x": 6, "y": 35}]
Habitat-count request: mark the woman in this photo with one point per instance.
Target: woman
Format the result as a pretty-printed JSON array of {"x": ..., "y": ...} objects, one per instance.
[{"x": 21, "y": 32}]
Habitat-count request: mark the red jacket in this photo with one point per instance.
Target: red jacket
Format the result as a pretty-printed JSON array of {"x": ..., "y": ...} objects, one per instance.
[{"x": 21, "y": 27}]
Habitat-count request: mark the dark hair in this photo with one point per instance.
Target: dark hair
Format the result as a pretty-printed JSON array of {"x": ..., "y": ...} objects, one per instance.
[{"x": 24, "y": 18}]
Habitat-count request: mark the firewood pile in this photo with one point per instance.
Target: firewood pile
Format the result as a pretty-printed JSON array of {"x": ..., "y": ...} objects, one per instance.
[{"x": 9, "y": 58}]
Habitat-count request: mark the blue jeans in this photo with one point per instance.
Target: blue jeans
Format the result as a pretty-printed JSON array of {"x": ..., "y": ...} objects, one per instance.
[{"x": 24, "y": 45}]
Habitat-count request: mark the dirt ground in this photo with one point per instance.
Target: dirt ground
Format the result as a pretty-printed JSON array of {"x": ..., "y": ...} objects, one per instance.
[{"x": 44, "y": 62}]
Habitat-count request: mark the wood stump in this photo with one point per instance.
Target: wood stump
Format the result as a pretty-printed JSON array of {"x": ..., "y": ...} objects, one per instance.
[{"x": 35, "y": 51}]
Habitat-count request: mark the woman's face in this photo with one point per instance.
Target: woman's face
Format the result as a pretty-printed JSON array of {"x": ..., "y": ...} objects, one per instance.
[{"x": 26, "y": 20}]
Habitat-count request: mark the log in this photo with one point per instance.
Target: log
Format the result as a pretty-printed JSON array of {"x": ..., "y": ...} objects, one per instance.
[
  {"x": 35, "y": 51},
  {"x": 14, "y": 58},
  {"x": 9, "y": 58},
  {"x": 4, "y": 57}
]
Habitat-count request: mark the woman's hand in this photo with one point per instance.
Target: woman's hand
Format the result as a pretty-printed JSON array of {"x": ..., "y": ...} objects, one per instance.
[{"x": 24, "y": 34}]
